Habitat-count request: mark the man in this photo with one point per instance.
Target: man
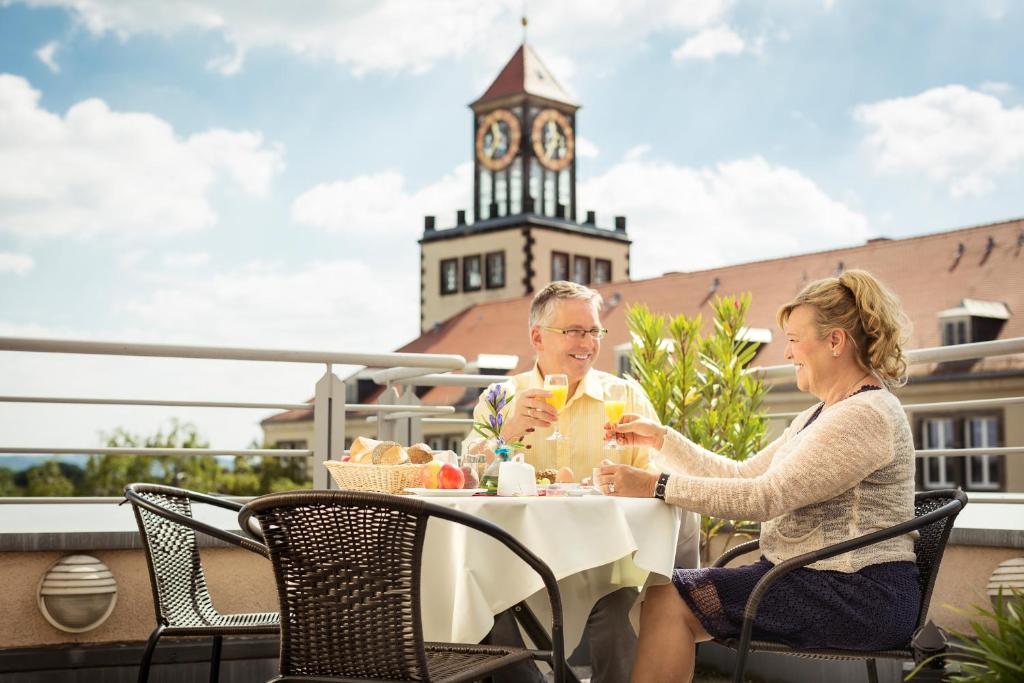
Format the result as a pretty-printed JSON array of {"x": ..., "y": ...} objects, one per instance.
[{"x": 566, "y": 333}]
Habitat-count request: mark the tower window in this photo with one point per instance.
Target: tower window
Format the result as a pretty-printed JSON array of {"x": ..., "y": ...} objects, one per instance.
[
  {"x": 472, "y": 273},
  {"x": 602, "y": 271},
  {"x": 581, "y": 270},
  {"x": 559, "y": 266},
  {"x": 449, "y": 276},
  {"x": 495, "y": 269}
]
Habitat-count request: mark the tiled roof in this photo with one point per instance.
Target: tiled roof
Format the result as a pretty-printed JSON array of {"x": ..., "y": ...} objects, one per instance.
[
  {"x": 924, "y": 271},
  {"x": 525, "y": 74}
]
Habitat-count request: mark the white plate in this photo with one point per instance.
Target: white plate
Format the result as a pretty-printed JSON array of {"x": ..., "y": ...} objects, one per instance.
[{"x": 446, "y": 493}]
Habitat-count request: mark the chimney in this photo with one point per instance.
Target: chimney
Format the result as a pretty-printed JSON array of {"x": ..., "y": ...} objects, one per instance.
[
  {"x": 460, "y": 217},
  {"x": 591, "y": 218},
  {"x": 620, "y": 224},
  {"x": 428, "y": 224}
]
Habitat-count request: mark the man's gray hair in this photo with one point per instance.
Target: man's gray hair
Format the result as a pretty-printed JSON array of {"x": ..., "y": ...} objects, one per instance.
[{"x": 560, "y": 290}]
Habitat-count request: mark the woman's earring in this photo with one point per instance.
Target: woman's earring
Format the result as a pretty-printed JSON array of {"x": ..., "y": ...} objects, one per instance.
[{"x": 835, "y": 354}]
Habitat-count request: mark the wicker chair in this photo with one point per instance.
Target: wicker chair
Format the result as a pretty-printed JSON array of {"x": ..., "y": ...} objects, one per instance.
[
  {"x": 934, "y": 512},
  {"x": 180, "y": 596},
  {"x": 347, "y": 565}
]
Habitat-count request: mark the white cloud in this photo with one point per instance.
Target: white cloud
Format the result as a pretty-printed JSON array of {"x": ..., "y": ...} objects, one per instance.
[
  {"x": 181, "y": 261},
  {"x": 586, "y": 149},
  {"x": 95, "y": 170},
  {"x": 379, "y": 204},
  {"x": 996, "y": 88},
  {"x": 11, "y": 262},
  {"x": 952, "y": 135},
  {"x": 419, "y": 34},
  {"x": 708, "y": 44},
  {"x": 47, "y": 55},
  {"x": 684, "y": 218}
]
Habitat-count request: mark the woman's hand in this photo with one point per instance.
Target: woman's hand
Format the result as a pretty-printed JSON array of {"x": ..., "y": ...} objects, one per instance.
[
  {"x": 625, "y": 480},
  {"x": 529, "y": 411},
  {"x": 634, "y": 430}
]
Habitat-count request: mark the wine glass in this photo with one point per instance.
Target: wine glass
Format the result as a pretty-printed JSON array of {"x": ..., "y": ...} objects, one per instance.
[
  {"x": 614, "y": 407},
  {"x": 558, "y": 387}
]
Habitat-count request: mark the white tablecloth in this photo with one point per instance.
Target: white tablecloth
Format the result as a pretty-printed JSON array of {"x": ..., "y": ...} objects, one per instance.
[{"x": 593, "y": 544}]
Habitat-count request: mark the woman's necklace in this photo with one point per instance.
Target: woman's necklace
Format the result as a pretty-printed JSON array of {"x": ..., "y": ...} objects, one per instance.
[{"x": 857, "y": 387}]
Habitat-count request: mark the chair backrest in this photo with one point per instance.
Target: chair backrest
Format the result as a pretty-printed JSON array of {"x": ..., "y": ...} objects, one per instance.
[
  {"x": 931, "y": 543},
  {"x": 179, "y": 585},
  {"x": 347, "y": 566}
]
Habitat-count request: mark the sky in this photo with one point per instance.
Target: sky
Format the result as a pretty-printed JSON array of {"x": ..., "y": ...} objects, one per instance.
[{"x": 255, "y": 173}]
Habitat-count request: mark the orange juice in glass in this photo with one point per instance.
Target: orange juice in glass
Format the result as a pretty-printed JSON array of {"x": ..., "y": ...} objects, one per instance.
[
  {"x": 558, "y": 387},
  {"x": 614, "y": 407}
]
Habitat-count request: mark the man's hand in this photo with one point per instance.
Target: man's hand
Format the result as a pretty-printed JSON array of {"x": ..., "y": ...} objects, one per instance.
[
  {"x": 625, "y": 480},
  {"x": 529, "y": 411},
  {"x": 634, "y": 430}
]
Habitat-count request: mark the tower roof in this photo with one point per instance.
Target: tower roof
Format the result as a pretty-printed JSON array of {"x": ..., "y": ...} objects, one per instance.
[{"x": 525, "y": 74}]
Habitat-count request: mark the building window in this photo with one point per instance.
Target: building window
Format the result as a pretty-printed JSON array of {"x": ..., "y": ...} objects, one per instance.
[
  {"x": 602, "y": 271},
  {"x": 296, "y": 444},
  {"x": 449, "y": 275},
  {"x": 982, "y": 470},
  {"x": 495, "y": 270},
  {"x": 938, "y": 470},
  {"x": 956, "y": 331},
  {"x": 472, "y": 275},
  {"x": 559, "y": 266},
  {"x": 581, "y": 270}
]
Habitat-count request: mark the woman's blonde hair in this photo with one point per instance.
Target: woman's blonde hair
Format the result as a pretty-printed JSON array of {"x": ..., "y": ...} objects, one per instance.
[{"x": 857, "y": 303}]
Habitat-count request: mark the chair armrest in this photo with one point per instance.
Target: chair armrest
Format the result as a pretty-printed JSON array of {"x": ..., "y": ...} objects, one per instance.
[
  {"x": 139, "y": 500},
  {"x": 734, "y": 552},
  {"x": 785, "y": 567}
]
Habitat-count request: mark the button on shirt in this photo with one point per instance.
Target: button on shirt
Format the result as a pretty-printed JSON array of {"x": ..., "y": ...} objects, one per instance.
[{"x": 582, "y": 421}]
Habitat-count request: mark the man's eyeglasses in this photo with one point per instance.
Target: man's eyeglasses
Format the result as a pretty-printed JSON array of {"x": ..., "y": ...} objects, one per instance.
[{"x": 578, "y": 333}]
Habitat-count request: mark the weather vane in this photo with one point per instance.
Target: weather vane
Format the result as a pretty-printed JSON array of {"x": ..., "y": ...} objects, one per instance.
[{"x": 524, "y": 21}]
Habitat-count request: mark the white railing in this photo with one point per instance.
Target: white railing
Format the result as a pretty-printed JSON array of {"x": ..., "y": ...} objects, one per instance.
[
  {"x": 329, "y": 407},
  {"x": 401, "y": 416}
]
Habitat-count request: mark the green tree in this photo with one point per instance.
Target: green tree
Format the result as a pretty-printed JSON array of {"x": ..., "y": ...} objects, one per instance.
[
  {"x": 8, "y": 487},
  {"x": 48, "y": 480},
  {"x": 699, "y": 384}
]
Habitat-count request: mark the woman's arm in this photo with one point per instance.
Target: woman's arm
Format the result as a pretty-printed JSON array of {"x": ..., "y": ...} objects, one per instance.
[
  {"x": 679, "y": 455},
  {"x": 848, "y": 443}
]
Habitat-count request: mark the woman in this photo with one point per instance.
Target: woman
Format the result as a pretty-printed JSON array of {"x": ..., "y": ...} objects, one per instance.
[{"x": 843, "y": 468}]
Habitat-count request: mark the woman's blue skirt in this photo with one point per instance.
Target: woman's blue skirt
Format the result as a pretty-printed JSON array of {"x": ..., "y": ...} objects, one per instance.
[{"x": 875, "y": 608}]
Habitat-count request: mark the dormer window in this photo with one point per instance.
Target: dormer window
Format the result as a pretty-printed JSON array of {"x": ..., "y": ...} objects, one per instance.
[{"x": 973, "y": 320}]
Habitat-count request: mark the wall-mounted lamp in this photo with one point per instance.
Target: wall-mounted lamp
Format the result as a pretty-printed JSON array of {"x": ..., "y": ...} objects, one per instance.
[{"x": 77, "y": 593}]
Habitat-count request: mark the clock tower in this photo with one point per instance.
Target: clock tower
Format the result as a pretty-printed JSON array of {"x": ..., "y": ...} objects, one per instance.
[
  {"x": 525, "y": 143},
  {"x": 524, "y": 231}
]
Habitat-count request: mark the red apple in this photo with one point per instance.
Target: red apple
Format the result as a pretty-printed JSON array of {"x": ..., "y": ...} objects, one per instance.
[
  {"x": 450, "y": 477},
  {"x": 346, "y": 458}
]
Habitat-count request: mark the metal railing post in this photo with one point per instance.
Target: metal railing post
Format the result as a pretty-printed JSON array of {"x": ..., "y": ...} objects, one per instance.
[
  {"x": 413, "y": 426},
  {"x": 328, "y": 425}
]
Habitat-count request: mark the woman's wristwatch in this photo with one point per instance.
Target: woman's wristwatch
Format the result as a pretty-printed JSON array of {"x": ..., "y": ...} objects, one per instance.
[{"x": 659, "y": 488}]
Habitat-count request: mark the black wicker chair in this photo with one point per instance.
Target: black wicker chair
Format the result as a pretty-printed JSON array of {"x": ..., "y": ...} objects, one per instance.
[
  {"x": 180, "y": 596},
  {"x": 347, "y": 565},
  {"x": 934, "y": 512}
]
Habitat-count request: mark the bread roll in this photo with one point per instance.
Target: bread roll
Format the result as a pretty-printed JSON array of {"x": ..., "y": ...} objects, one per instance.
[
  {"x": 361, "y": 448},
  {"x": 388, "y": 453},
  {"x": 420, "y": 453}
]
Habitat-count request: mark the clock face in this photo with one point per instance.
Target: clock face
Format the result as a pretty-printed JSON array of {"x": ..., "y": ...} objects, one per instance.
[
  {"x": 497, "y": 139},
  {"x": 553, "y": 140}
]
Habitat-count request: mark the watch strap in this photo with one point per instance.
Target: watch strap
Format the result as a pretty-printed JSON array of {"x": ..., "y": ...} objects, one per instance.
[{"x": 659, "y": 488}]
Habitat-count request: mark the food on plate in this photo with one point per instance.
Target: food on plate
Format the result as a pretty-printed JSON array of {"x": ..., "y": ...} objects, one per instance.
[
  {"x": 429, "y": 475},
  {"x": 565, "y": 476},
  {"x": 470, "y": 475},
  {"x": 551, "y": 474},
  {"x": 450, "y": 477},
  {"x": 543, "y": 481}
]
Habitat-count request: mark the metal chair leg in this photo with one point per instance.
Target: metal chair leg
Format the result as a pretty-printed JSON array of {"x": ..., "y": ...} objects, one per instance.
[
  {"x": 872, "y": 670},
  {"x": 215, "y": 659},
  {"x": 147, "y": 654}
]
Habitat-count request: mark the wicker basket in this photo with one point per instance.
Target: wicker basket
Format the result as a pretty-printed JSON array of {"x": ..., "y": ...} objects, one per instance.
[{"x": 380, "y": 478}]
